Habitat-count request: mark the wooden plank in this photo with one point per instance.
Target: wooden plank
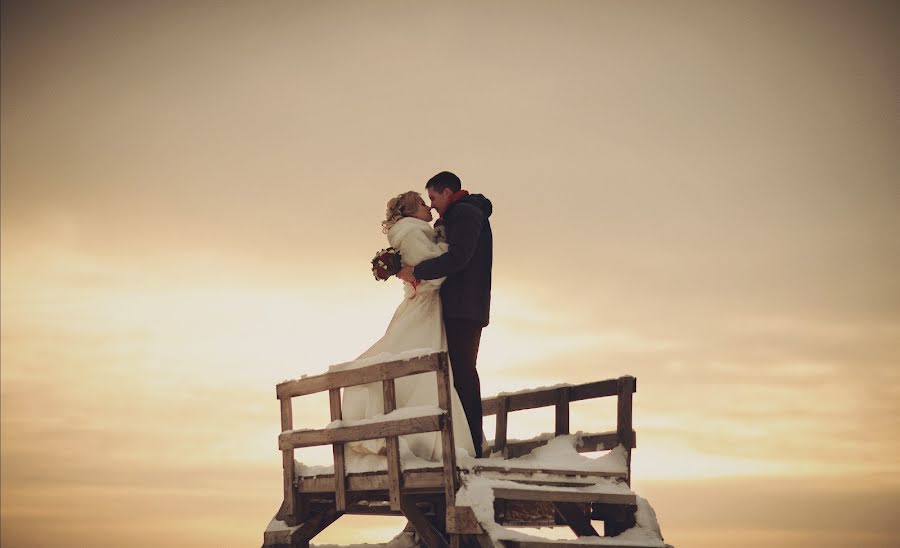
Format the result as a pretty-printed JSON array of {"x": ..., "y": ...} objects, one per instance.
[
  {"x": 549, "y": 471},
  {"x": 624, "y": 430},
  {"x": 511, "y": 493},
  {"x": 425, "y": 480},
  {"x": 527, "y": 513},
  {"x": 461, "y": 520},
  {"x": 424, "y": 528},
  {"x": 287, "y": 462},
  {"x": 448, "y": 445},
  {"x": 547, "y": 397},
  {"x": 413, "y": 482},
  {"x": 603, "y": 441},
  {"x": 392, "y": 445},
  {"x": 571, "y": 543},
  {"x": 362, "y": 375},
  {"x": 500, "y": 436},
  {"x": 310, "y": 438},
  {"x": 340, "y": 484},
  {"x": 562, "y": 411},
  {"x": 576, "y": 519}
]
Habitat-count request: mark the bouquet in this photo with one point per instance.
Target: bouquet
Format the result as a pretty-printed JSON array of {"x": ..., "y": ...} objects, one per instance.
[{"x": 386, "y": 263}]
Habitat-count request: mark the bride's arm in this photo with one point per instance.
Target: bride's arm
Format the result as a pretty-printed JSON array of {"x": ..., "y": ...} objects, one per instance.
[{"x": 416, "y": 246}]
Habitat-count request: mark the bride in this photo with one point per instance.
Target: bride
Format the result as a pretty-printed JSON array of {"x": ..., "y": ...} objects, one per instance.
[{"x": 417, "y": 324}]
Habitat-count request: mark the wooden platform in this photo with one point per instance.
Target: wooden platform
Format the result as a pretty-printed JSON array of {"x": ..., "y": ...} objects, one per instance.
[{"x": 524, "y": 494}]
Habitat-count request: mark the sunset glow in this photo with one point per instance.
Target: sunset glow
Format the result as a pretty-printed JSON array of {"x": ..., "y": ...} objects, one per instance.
[{"x": 701, "y": 195}]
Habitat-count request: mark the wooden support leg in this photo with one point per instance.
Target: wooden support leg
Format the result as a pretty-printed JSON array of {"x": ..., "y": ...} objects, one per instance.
[
  {"x": 426, "y": 531},
  {"x": 576, "y": 519},
  {"x": 313, "y": 527}
]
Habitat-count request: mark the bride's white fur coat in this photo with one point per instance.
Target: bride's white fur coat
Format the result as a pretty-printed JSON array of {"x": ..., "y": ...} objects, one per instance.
[{"x": 417, "y": 324}]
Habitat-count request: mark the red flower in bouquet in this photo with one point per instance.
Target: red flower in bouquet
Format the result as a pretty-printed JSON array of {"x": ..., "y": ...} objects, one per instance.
[{"x": 386, "y": 263}]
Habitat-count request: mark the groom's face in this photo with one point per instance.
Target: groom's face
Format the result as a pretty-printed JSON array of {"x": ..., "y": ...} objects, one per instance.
[{"x": 439, "y": 199}]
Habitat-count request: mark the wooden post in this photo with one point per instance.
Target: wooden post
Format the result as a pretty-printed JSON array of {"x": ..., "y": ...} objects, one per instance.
[
  {"x": 392, "y": 445},
  {"x": 431, "y": 537},
  {"x": 448, "y": 445},
  {"x": 500, "y": 436},
  {"x": 340, "y": 476},
  {"x": 562, "y": 411},
  {"x": 287, "y": 459},
  {"x": 624, "y": 427}
]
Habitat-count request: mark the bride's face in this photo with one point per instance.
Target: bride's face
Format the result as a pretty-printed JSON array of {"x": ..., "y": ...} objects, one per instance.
[{"x": 423, "y": 212}]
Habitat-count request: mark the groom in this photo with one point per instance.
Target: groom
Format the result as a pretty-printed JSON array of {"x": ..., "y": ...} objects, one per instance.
[{"x": 466, "y": 293}]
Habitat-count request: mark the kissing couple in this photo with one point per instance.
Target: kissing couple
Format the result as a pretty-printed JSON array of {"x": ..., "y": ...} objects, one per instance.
[{"x": 446, "y": 273}]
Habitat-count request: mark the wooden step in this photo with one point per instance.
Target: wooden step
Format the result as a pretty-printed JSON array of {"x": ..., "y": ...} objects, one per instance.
[
  {"x": 612, "y": 496},
  {"x": 518, "y": 469},
  {"x": 606, "y": 542},
  {"x": 587, "y": 442}
]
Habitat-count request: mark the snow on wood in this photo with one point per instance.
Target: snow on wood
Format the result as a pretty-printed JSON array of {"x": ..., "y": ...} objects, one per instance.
[
  {"x": 478, "y": 493},
  {"x": 560, "y": 453},
  {"x": 395, "y": 415},
  {"x": 538, "y": 389},
  {"x": 384, "y": 357}
]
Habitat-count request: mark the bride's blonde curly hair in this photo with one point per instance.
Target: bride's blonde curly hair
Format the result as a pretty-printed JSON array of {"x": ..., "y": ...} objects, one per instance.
[{"x": 404, "y": 205}]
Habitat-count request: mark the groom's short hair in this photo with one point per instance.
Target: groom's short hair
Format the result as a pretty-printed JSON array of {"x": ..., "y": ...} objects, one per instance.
[{"x": 443, "y": 180}]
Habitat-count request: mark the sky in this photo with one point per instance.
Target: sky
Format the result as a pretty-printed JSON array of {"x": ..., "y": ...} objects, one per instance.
[{"x": 700, "y": 194}]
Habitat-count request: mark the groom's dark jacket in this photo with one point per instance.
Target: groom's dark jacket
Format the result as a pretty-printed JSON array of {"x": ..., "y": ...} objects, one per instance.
[{"x": 466, "y": 293}]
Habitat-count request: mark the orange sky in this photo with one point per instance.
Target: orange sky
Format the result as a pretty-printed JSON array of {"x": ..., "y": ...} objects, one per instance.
[{"x": 703, "y": 195}]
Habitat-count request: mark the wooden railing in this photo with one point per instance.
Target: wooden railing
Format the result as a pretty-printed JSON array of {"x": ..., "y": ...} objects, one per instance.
[
  {"x": 561, "y": 397},
  {"x": 386, "y": 373}
]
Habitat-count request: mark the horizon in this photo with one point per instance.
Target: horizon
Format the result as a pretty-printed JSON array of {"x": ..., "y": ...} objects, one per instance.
[{"x": 702, "y": 196}]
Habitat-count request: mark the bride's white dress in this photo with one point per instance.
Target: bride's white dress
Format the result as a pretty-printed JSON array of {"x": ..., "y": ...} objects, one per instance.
[{"x": 417, "y": 324}]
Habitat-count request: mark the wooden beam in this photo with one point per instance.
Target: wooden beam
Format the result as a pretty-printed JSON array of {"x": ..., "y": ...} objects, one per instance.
[
  {"x": 500, "y": 436},
  {"x": 562, "y": 411},
  {"x": 624, "y": 430},
  {"x": 603, "y": 441},
  {"x": 353, "y": 377},
  {"x": 511, "y": 493},
  {"x": 565, "y": 544},
  {"x": 340, "y": 483},
  {"x": 287, "y": 462},
  {"x": 448, "y": 444},
  {"x": 418, "y": 480},
  {"x": 461, "y": 520},
  {"x": 315, "y": 525},
  {"x": 414, "y": 481},
  {"x": 575, "y": 517},
  {"x": 310, "y": 438},
  {"x": 548, "y": 397},
  {"x": 392, "y": 445},
  {"x": 424, "y": 528},
  {"x": 549, "y": 471}
]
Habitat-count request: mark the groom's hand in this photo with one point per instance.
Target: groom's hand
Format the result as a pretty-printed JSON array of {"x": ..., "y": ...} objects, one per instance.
[{"x": 406, "y": 274}]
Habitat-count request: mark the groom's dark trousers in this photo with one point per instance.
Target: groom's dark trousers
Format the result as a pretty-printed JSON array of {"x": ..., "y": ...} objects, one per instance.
[
  {"x": 463, "y": 338},
  {"x": 465, "y": 295}
]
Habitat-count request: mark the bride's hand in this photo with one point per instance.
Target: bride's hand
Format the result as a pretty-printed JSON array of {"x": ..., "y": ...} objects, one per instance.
[{"x": 406, "y": 274}]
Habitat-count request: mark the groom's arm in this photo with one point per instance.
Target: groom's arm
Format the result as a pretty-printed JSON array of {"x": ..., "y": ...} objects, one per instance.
[{"x": 462, "y": 239}]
